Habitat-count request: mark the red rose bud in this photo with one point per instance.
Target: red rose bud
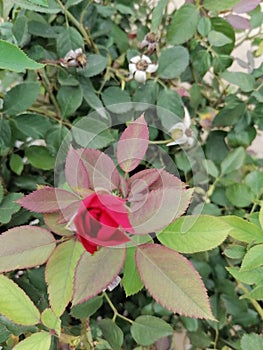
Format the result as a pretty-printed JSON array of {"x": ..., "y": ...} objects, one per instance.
[{"x": 101, "y": 221}]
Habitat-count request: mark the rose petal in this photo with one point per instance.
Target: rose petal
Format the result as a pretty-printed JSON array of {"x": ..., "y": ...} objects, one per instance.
[
  {"x": 152, "y": 68},
  {"x": 135, "y": 59},
  {"x": 140, "y": 76}
]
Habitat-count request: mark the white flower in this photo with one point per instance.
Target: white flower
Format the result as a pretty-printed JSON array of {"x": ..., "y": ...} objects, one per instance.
[
  {"x": 150, "y": 41},
  {"x": 139, "y": 66},
  {"x": 181, "y": 132},
  {"x": 74, "y": 58}
]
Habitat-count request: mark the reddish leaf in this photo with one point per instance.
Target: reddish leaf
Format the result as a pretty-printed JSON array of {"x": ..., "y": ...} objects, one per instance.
[
  {"x": 48, "y": 200},
  {"x": 102, "y": 171},
  {"x": 95, "y": 272},
  {"x": 76, "y": 173},
  {"x": 245, "y": 6},
  {"x": 52, "y": 220},
  {"x": 25, "y": 246},
  {"x": 172, "y": 281},
  {"x": 238, "y": 22},
  {"x": 166, "y": 200},
  {"x": 133, "y": 145}
]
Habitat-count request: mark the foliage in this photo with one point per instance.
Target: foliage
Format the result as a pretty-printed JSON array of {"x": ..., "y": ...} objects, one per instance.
[{"x": 139, "y": 105}]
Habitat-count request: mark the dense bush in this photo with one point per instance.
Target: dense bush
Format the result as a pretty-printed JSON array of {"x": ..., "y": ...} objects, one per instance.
[{"x": 116, "y": 101}]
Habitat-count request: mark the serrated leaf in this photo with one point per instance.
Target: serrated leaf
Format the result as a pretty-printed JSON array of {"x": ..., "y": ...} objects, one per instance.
[
  {"x": 246, "y": 82},
  {"x": 242, "y": 230},
  {"x": 257, "y": 293},
  {"x": 221, "y": 5},
  {"x": 101, "y": 169},
  {"x": 59, "y": 274},
  {"x": 15, "y": 304},
  {"x": 76, "y": 173},
  {"x": 116, "y": 100},
  {"x": 40, "y": 341},
  {"x": 251, "y": 341},
  {"x": 183, "y": 24},
  {"x": 145, "y": 330},
  {"x": 95, "y": 272},
  {"x": 88, "y": 308},
  {"x": 159, "y": 208},
  {"x": 133, "y": 145},
  {"x": 240, "y": 195},
  {"x": 8, "y": 207},
  {"x": 40, "y": 158},
  {"x": 253, "y": 258},
  {"x": 32, "y": 125},
  {"x": 192, "y": 234},
  {"x": 179, "y": 289},
  {"x": 48, "y": 200},
  {"x": 112, "y": 333},
  {"x": 233, "y": 161},
  {"x": 69, "y": 99},
  {"x": 131, "y": 281},
  {"x": 25, "y": 246},
  {"x": 218, "y": 39},
  {"x": 14, "y": 59},
  {"x": 16, "y": 164},
  {"x": 52, "y": 221},
  {"x": 167, "y": 69},
  {"x": 69, "y": 39},
  {"x": 95, "y": 65},
  {"x": 50, "y": 320},
  {"x": 254, "y": 276}
]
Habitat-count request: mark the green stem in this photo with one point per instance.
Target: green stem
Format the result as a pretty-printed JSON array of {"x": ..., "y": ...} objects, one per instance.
[
  {"x": 255, "y": 304},
  {"x": 115, "y": 311},
  {"x": 85, "y": 32},
  {"x": 161, "y": 142},
  {"x": 85, "y": 339},
  {"x": 48, "y": 88}
]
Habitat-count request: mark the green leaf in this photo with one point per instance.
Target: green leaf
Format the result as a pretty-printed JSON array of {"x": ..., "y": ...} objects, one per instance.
[
  {"x": 25, "y": 246},
  {"x": 60, "y": 271},
  {"x": 15, "y": 304},
  {"x": 218, "y": 39},
  {"x": 246, "y": 82},
  {"x": 40, "y": 158},
  {"x": 179, "y": 290},
  {"x": 260, "y": 216},
  {"x": 1, "y": 192},
  {"x": 254, "y": 180},
  {"x": 221, "y": 5},
  {"x": 221, "y": 25},
  {"x": 16, "y": 164},
  {"x": 55, "y": 137},
  {"x": 193, "y": 234},
  {"x": 233, "y": 161},
  {"x": 257, "y": 293},
  {"x": 116, "y": 100},
  {"x": 240, "y": 195},
  {"x": 251, "y": 341},
  {"x": 254, "y": 276},
  {"x": 8, "y": 207},
  {"x": 14, "y": 59},
  {"x": 145, "y": 330},
  {"x": 169, "y": 108},
  {"x": 69, "y": 39},
  {"x": 6, "y": 136},
  {"x": 50, "y": 320},
  {"x": 173, "y": 62},
  {"x": 157, "y": 15},
  {"x": 69, "y": 99},
  {"x": 132, "y": 283},
  {"x": 204, "y": 26},
  {"x": 231, "y": 113},
  {"x": 40, "y": 341},
  {"x": 88, "y": 308},
  {"x": 52, "y": 222},
  {"x": 95, "y": 272},
  {"x": 253, "y": 258},
  {"x": 112, "y": 333},
  {"x": 40, "y": 2},
  {"x": 21, "y": 97},
  {"x": 243, "y": 230},
  {"x": 234, "y": 251},
  {"x": 20, "y": 30},
  {"x": 120, "y": 37},
  {"x": 32, "y": 125},
  {"x": 96, "y": 64},
  {"x": 183, "y": 25},
  {"x": 92, "y": 133}
]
